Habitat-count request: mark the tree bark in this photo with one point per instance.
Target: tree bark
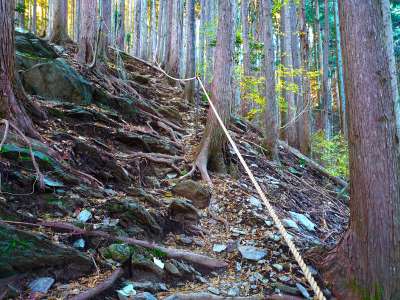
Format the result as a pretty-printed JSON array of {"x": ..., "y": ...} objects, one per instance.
[
  {"x": 153, "y": 32},
  {"x": 143, "y": 30},
  {"x": 287, "y": 61},
  {"x": 120, "y": 26},
  {"x": 213, "y": 142},
  {"x": 105, "y": 12},
  {"x": 304, "y": 102},
  {"x": 10, "y": 107},
  {"x": 172, "y": 58},
  {"x": 161, "y": 30},
  {"x": 137, "y": 40},
  {"x": 244, "y": 103},
  {"x": 34, "y": 17},
  {"x": 190, "y": 51},
  {"x": 366, "y": 263},
  {"x": 319, "y": 55},
  {"x": 271, "y": 110},
  {"x": 59, "y": 20},
  {"x": 326, "y": 87},
  {"x": 88, "y": 30},
  {"x": 202, "y": 39},
  {"x": 77, "y": 24}
]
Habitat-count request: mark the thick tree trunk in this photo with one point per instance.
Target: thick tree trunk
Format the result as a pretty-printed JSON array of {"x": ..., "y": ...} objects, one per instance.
[
  {"x": 105, "y": 12},
  {"x": 202, "y": 39},
  {"x": 190, "y": 51},
  {"x": 77, "y": 25},
  {"x": 271, "y": 110},
  {"x": 366, "y": 263},
  {"x": 34, "y": 17},
  {"x": 120, "y": 26},
  {"x": 161, "y": 30},
  {"x": 172, "y": 58},
  {"x": 88, "y": 30},
  {"x": 143, "y": 30},
  {"x": 304, "y": 102},
  {"x": 214, "y": 142},
  {"x": 339, "y": 61},
  {"x": 10, "y": 107},
  {"x": 58, "y": 33},
  {"x": 326, "y": 87},
  {"x": 287, "y": 61},
  {"x": 244, "y": 104},
  {"x": 153, "y": 32}
]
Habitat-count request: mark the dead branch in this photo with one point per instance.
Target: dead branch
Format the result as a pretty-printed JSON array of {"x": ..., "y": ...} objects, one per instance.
[{"x": 102, "y": 287}]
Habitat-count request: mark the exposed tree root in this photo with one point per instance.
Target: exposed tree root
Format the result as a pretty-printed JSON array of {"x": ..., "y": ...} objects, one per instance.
[
  {"x": 169, "y": 130},
  {"x": 102, "y": 287},
  {"x": 160, "y": 158},
  {"x": 191, "y": 257}
]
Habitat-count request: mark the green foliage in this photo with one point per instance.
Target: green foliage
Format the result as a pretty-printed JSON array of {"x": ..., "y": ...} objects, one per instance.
[
  {"x": 20, "y": 8},
  {"x": 333, "y": 153},
  {"x": 251, "y": 87}
]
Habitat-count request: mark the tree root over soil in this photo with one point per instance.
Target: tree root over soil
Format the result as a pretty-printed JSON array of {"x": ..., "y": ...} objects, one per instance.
[{"x": 191, "y": 257}]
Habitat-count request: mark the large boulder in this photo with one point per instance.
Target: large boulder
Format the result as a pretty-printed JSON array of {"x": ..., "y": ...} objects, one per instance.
[
  {"x": 198, "y": 193},
  {"x": 56, "y": 79},
  {"x": 22, "y": 251}
]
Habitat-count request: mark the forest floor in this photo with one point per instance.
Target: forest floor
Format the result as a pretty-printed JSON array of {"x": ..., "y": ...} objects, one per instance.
[{"x": 111, "y": 156}]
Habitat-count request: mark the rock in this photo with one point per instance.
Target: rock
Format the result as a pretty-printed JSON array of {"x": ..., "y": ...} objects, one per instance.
[
  {"x": 79, "y": 244},
  {"x": 198, "y": 193},
  {"x": 57, "y": 80},
  {"x": 185, "y": 240},
  {"x": 201, "y": 279},
  {"x": 285, "y": 289},
  {"x": 118, "y": 252},
  {"x": 219, "y": 248},
  {"x": 199, "y": 242},
  {"x": 22, "y": 251},
  {"x": 213, "y": 290},
  {"x": 127, "y": 292},
  {"x": 141, "y": 266},
  {"x": 252, "y": 253},
  {"x": 183, "y": 211},
  {"x": 129, "y": 210},
  {"x": 284, "y": 278},
  {"x": 278, "y": 267},
  {"x": 158, "y": 262},
  {"x": 41, "y": 285},
  {"x": 255, "y": 202},
  {"x": 231, "y": 246},
  {"x": 303, "y": 291},
  {"x": 143, "y": 296},
  {"x": 153, "y": 287},
  {"x": 287, "y": 223},
  {"x": 238, "y": 266},
  {"x": 172, "y": 269},
  {"x": 256, "y": 277},
  {"x": 303, "y": 220},
  {"x": 233, "y": 292},
  {"x": 84, "y": 216}
]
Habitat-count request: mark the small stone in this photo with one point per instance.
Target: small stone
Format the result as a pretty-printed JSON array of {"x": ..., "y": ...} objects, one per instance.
[
  {"x": 238, "y": 266},
  {"x": 201, "y": 279},
  {"x": 303, "y": 220},
  {"x": 118, "y": 252},
  {"x": 255, "y": 202},
  {"x": 269, "y": 223},
  {"x": 278, "y": 267},
  {"x": 213, "y": 290},
  {"x": 287, "y": 223},
  {"x": 126, "y": 292},
  {"x": 255, "y": 277},
  {"x": 172, "y": 269},
  {"x": 233, "y": 292},
  {"x": 252, "y": 253},
  {"x": 41, "y": 285},
  {"x": 84, "y": 216},
  {"x": 219, "y": 248},
  {"x": 231, "y": 246},
  {"x": 158, "y": 263},
  {"x": 274, "y": 237},
  {"x": 303, "y": 291},
  {"x": 185, "y": 240},
  {"x": 143, "y": 296},
  {"x": 284, "y": 278},
  {"x": 172, "y": 175},
  {"x": 199, "y": 243},
  {"x": 285, "y": 289},
  {"x": 79, "y": 244}
]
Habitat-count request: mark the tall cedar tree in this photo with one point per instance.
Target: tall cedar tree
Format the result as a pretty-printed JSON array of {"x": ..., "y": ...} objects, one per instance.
[
  {"x": 58, "y": 30},
  {"x": 366, "y": 263},
  {"x": 213, "y": 143},
  {"x": 10, "y": 106},
  {"x": 88, "y": 30}
]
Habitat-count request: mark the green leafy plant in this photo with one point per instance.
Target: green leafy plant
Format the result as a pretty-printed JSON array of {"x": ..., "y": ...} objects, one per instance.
[{"x": 332, "y": 153}]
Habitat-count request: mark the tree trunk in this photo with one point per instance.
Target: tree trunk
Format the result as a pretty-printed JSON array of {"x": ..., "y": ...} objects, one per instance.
[
  {"x": 10, "y": 107},
  {"x": 319, "y": 54},
  {"x": 21, "y": 14},
  {"x": 326, "y": 87},
  {"x": 34, "y": 17},
  {"x": 105, "y": 11},
  {"x": 245, "y": 105},
  {"x": 214, "y": 141},
  {"x": 77, "y": 24},
  {"x": 58, "y": 33},
  {"x": 161, "y": 30},
  {"x": 304, "y": 102},
  {"x": 190, "y": 51},
  {"x": 138, "y": 27},
  {"x": 88, "y": 30},
  {"x": 202, "y": 39},
  {"x": 153, "y": 32},
  {"x": 120, "y": 26},
  {"x": 144, "y": 29},
  {"x": 172, "y": 58},
  {"x": 287, "y": 61},
  {"x": 366, "y": 263},
  {"x": 271, "y": 110}
]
